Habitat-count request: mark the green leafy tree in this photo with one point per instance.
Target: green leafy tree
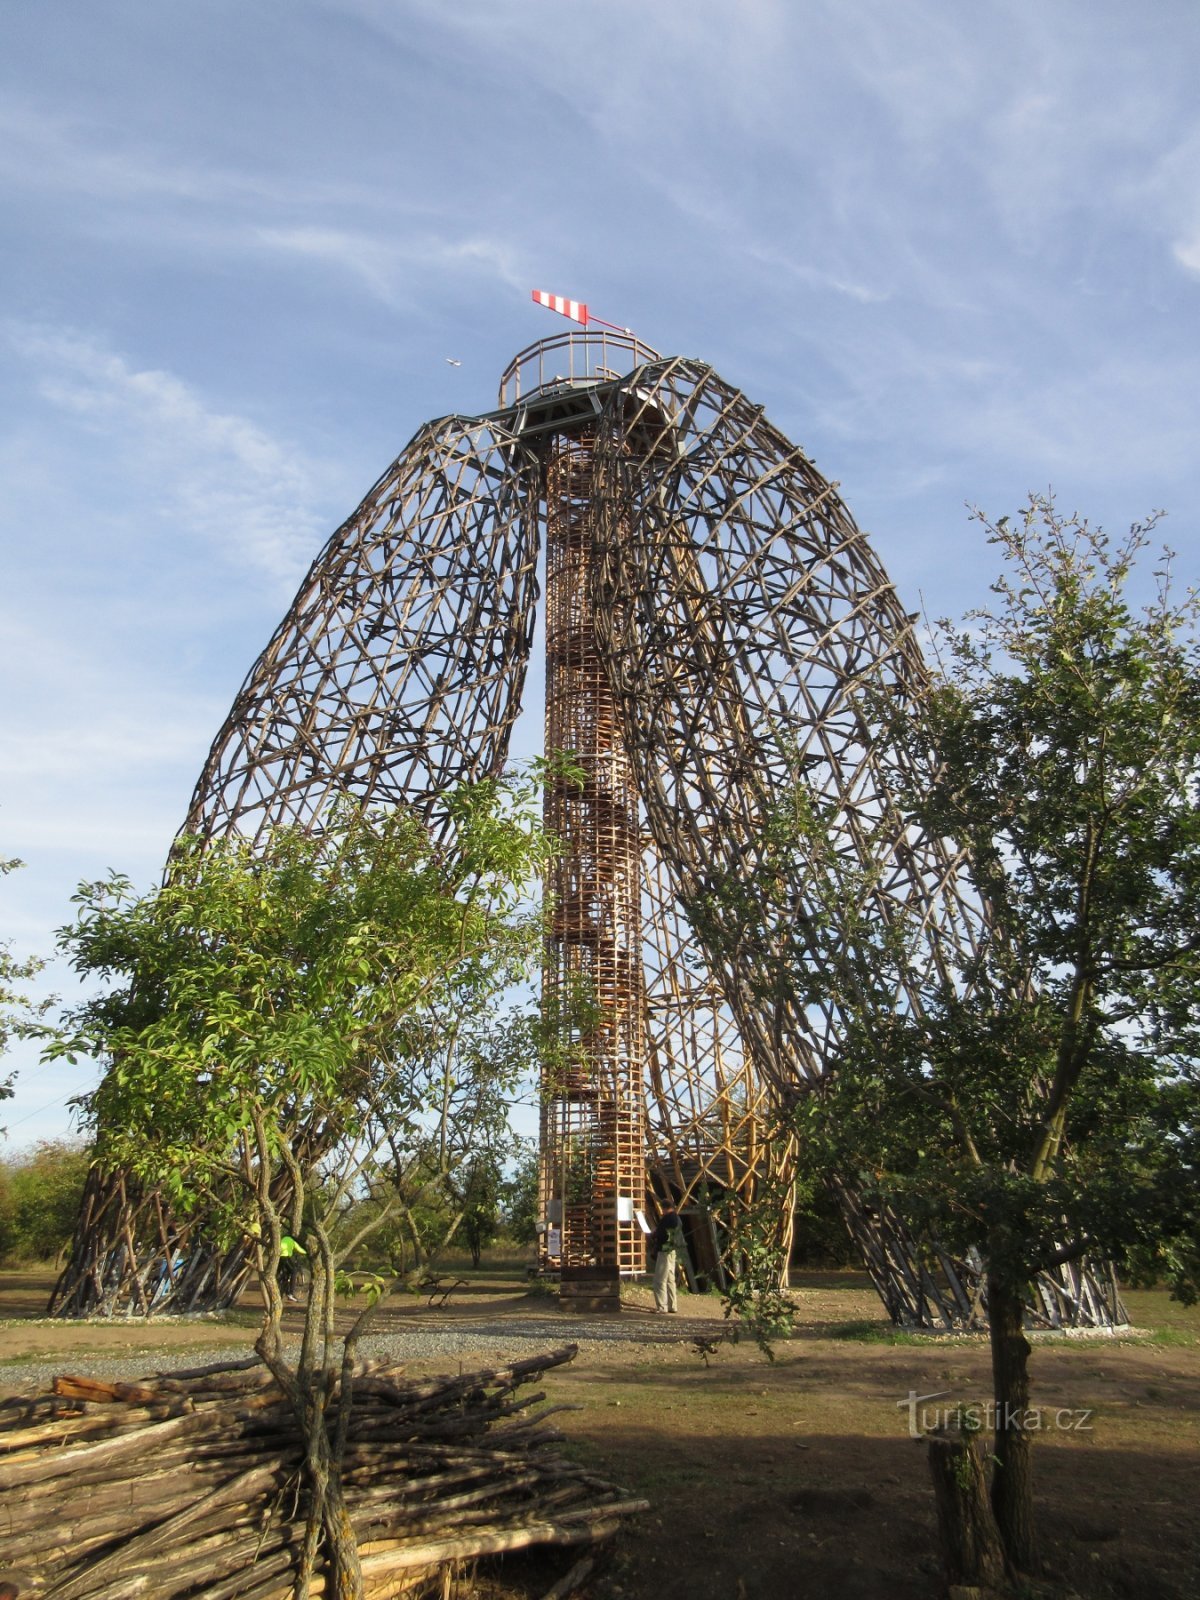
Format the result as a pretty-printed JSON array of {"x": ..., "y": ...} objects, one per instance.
[
  {"x": 448, "y": 1133},
  {"x": 493, "y": 1054},
  {"x": 40, "y": 1194},
  {"x": 519, "y": 1196},
  {"x": 481, "y": 1205},
  {"x": 1039, "y": 1101},
  {"x": 255, "y": 1039},
  {"x": 20, "y": 1015},
  {"x": 755, "y": 1297}
]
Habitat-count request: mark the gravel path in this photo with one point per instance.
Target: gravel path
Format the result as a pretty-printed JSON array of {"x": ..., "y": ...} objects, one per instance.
[{"x": 490, "y": 1341}]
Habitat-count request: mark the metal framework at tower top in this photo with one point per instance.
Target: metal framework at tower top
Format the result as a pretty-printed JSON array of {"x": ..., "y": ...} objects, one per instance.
[{"x": 717, "y": 627}]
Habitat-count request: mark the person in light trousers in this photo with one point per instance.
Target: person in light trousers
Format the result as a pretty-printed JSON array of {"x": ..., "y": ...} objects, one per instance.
[{"x": 666, "y": 1245}]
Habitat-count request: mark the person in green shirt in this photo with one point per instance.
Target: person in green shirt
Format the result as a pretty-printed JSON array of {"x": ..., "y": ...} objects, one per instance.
[{"x": 290, "y": 1252}]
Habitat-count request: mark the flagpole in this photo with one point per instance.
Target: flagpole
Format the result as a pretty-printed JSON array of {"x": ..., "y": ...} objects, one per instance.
[{"x": 615, "y": 326}]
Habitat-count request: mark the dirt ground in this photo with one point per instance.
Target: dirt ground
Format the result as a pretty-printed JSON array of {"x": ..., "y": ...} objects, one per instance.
[{"x": 800, "y": 1478}]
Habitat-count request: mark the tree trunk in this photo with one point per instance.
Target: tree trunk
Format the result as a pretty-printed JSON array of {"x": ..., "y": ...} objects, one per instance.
[
  {"x": 308, "y": 1391},
  {"x": 1012, "y": 1478},
  {"x": 329, "y": 1507},
  {"x": 972, "y": 1552}
]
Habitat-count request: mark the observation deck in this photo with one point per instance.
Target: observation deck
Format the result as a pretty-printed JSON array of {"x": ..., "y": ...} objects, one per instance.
[{"x": 557, "y": 385}]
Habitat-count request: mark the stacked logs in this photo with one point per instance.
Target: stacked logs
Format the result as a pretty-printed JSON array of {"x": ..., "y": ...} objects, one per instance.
[{"x": 189, "y": 1484}]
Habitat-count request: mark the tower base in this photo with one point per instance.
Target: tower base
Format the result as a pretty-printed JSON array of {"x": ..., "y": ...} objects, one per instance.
[{"x": 590, "y": 1290}]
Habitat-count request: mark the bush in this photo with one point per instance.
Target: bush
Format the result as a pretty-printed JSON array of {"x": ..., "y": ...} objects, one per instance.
[
  {"x": 40, "y": 1195},
  {"x": 820, "y": 1237},
  {"x": 519, "y": 1200}
]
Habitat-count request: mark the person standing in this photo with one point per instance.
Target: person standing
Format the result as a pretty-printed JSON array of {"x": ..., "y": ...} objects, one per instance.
[
  {"x": 290, "y": 1252},
  {"x": 666, "y": 1245}
]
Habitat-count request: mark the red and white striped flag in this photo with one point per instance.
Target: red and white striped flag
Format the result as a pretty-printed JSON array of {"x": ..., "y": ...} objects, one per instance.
[{"x": 574, "y": 309}]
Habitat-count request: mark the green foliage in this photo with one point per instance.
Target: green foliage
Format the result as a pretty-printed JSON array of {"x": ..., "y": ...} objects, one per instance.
[
  {"x": 447, "y": 1132},
  {"x": 820, "y": 1238},
  {"x": 1036, "y": 1098},
  {"x": 276, "y": 983},
  {"x": 480, "y": 1190},
  {"x": 519, "y": 1196},
  {"x": 1041, "y": 1099},
  {"x": 299, "y": 1040},
  {"x": 755, "y": 1300},
  {"x": 568, "y": 1015},
  {"x": 20, "y": 1016},
  {"x": 371, "y": 1285},
  {"x": 40, "y": 1195}
]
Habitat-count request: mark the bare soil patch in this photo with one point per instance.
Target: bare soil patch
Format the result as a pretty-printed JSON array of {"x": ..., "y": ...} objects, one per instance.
[{"x": 798, "y": 1478}]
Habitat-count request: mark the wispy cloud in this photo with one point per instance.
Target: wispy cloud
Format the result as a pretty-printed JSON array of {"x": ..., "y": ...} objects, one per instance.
[
  {"x": 359, "y": 255},
  {"x": 55, "y": 151},
  {"x": 101, "y": 725},
  {"x": 1174, "y": 188},
  {"x": 41, "y": 150},
  {"x": 815, "y": 275},
  {"x": 105, "y": 742},
  {"x": 385, "y": 265},
  {"x": 151, "y": 196},
  {"x": 217, "y": 476}
]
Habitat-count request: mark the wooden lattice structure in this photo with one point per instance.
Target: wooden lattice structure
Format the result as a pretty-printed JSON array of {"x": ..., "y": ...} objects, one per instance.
[
  {"x": 593, "y": 1134},
  {"x": 717, "y": 627}
]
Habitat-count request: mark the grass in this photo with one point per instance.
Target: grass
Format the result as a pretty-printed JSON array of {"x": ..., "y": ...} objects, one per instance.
[
  {"x": 865, "y": 1332},
  {"x": 800, "y": 1478},
  {"x": 1173, "y": 1338}
]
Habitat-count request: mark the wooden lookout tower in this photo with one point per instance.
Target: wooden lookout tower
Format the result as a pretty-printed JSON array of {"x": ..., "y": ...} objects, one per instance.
[
  {"x": 593, "y": 1119},
  {"x": 718, "y": 630}
]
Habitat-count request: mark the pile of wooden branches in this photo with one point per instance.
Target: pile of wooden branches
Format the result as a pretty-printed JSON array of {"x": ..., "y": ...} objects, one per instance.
[{"x": 189, "y": 1483}]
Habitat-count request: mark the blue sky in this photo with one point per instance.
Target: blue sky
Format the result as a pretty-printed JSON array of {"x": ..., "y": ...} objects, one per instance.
[{"x": 953, "y": 250}]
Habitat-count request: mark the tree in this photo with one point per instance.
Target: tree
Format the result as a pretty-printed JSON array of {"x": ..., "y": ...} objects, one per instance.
[
  {"x": 443, "y": 1128},
  {"x": 520, "y": 1196},
  {"x": 478, "y": 1059},
  {"x": 1039, "y": 1101},
  {"x": 255, "y": 1039},
  {"x": 480, "y": 1200},
  {"x": 20, "y": 1016},
  {"x": 39, "y": 1199}
]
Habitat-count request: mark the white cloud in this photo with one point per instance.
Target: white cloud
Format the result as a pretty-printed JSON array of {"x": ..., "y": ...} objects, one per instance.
[
  {"x": 359, "y": 255},
  {"x": 384, "y": 265},
  {"x": 102, "y": 749},
  {"x": 103, "y": 743},
  {"x": 820, "y": 276},
  {"x": 101, "y": 159},
  {"x": 127, "y": 190},
  {"x": 208, "y": 473},
  {"x": 42, "y": 151},
  {"x": 1174, "y": 188}
]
